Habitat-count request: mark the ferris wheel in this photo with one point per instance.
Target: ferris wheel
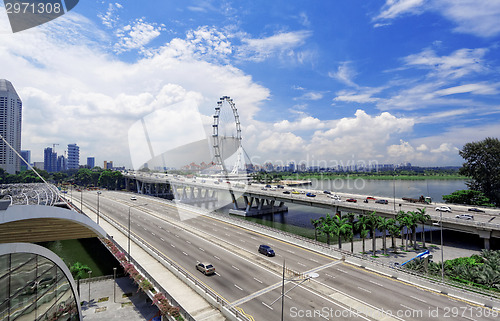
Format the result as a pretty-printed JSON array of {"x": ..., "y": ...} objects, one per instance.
[{"x": 227, "y": 136}]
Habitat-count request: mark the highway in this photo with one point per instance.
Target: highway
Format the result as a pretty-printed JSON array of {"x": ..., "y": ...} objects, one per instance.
[{"x": 251, "y": 281}]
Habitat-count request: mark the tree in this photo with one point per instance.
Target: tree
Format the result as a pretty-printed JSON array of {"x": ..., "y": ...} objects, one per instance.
[
  {"x": 422, "y": 219},
  {"x": 412, "y": 223},
  {"x": 350, "y": 219},
  {"x": 403, "y": 221},
  {"x": 84, "y": 177},
  {"x": 341, "y": 227},
  {"x": 326, "y": 226},
  {"x": 373, "y": 223},
  {"x": 383, "y": 225},
  {"x": 469, "y": 197},
  {"x": 316, "y": 224},
  {"x": 79, "y": 270},
  {"x": 362, "y": 226},
  {"x": 482, "y": 165},
  {"x": 394, "y": 230}
]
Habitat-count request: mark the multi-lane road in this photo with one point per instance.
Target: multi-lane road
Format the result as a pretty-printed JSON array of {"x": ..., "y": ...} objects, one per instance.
[{"x": 251, "y": 281}]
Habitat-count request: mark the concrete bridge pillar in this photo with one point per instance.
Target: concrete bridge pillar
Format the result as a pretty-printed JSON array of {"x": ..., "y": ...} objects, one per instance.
[{"x": 485, "y": 235}]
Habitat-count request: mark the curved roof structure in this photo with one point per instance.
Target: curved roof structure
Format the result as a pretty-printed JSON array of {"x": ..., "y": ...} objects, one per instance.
[{"x": 30, "y": 194}]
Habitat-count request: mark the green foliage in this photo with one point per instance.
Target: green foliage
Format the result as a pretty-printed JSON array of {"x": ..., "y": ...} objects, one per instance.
[
  {"x": 469, "y": 197},
  {"x": 79, "y": 271},
  {"x": 482, "y": 165}
]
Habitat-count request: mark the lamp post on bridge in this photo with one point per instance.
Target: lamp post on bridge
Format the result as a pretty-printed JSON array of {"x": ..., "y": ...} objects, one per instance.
[
  {"x": 98, "y": 193},
  {"x": 129, "y": 208}
]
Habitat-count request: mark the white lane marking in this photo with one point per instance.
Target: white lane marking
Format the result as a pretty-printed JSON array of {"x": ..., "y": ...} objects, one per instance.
[
  {"x": 217, "y": 257},
  {"x": 342, "y": 271},
  {"x": 290, "y": 251},
  {"x": 226, "y": 228},
  {"x": 258, "y": 280},
  {"x": 364, "y": 289},
  {"x": 176, "y": 235},
  {"x": 161, "y": 238},
  {"x": 153, "y": 234},
  {"x": 234, "y": 267},
  {"x": 330, "y": 276},
  {"x": 267, "y": 306},
  {"x": 253, "y": 238},
  {"x": 185, "y": 253},
  {"x": 238, "y": 287},
  {"x": 188, "y": 242},
  {"x": 242, "y": 240},
  {"x": 418, "y": 299},
  {"x": 172, "y": 245},
  {"x": 314, "y": 260},
  {"x": 407, "y": 307},
  {"x": 201, "y": 249},
  {"x": 301, "y": 264},
  {"x": 376, "y": 283},
  {"x": 227, "y": 234}
]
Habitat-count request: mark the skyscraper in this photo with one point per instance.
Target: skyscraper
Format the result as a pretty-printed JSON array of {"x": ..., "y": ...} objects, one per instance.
[
  {"x": 10, "y": 127},
  {"x": 26, "y": 154},
  {"x": 90, "y": 162},
  {"x": 49, "y": 160},
  {"x": 62, "y": 163},
  {"x": 73, "y": 156}
]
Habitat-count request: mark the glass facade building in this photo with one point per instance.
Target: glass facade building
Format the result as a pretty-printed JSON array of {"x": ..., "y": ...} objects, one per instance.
[{"x": 34, "y": 286}]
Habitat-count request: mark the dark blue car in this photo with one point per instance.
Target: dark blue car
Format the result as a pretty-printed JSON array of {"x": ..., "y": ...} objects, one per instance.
[{"x": 266, "y": 250}]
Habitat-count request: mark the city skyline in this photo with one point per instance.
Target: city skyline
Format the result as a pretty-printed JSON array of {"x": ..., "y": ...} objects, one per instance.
[{"x": 405, "y": 81}]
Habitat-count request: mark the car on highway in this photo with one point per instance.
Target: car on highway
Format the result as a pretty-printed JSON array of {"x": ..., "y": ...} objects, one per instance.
[
  {"x": 475, "y": 209},
  {"x": 268, "y": 186},
  {"x": 465, "y": 216},
  {"x": 327, "y": 192},
  {"x": 133, "y": 198},
  {"x": 286, "y": 192},
  {"x": 371, "y": 198},
  {"x": 310, "y": 195},
  {"x": 205, "y": 268},
  {"x": 443, "y": 209},
  {"x": 266, "y": 250},
  {"x": 382, "y": 201},
  {"x": 352, "y": 200},
  {"x": 335, "y": 197},
  {"x": 295, "y": 192},
  {"x": 216, "y": 182}
]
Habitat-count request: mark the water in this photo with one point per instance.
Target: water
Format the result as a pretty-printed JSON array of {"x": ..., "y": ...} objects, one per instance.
[{"x": 298, "y": 218}]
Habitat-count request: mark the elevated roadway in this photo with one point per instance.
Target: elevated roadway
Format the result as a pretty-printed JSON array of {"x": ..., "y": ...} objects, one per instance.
[
  {"x": 486, "y": 225},
  {"x": 250, "y": 281}
]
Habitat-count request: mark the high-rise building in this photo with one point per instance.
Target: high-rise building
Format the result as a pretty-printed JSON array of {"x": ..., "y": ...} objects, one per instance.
[
  {"x": 10, "y": 127},
  {"x": 108, "y": 164},
  {"x": 90, "y": 162},
  {"x": 62, "y": 163},
  {"x": 26, "y": 155},
  {"x": 49, "y": 160},
  {"x": 73, "y": 156}
]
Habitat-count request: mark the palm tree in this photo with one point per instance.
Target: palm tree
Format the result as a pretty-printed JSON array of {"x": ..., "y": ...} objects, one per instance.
[
  {"x": 393, "y": 229},
  {"x": 423, "y": 218},
  {"x": 350, "y": 218},
  {"x": 373, "y": 222},
  {"x": 413, "y": 224},
  {"x": 401, "y": 217},
  {"x": 326, "y": 226},
  {"x": 362, "y": 226},
  {"x": 341, "y": 227},
  {"x": 383, "y": 225},
  {"x": 316, "y": 224}
]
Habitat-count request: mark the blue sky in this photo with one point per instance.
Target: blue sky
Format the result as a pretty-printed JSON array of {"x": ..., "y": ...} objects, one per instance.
[{"x": 332, "y": 81}]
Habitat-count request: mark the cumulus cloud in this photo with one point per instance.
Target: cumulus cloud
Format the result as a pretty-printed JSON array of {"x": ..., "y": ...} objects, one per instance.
[{"x": 136, "y": 35}]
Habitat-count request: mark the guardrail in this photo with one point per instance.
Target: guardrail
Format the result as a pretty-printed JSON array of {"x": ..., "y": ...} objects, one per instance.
[
  {"x": 482, "y": 296},
  {"x": 218, "y": 300}
]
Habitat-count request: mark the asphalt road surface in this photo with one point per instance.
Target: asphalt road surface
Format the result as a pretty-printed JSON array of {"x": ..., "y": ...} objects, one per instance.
[{"x": 251, "y": 281}]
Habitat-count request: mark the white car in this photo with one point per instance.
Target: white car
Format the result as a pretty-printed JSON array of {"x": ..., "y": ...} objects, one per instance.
[
  {"x": 465, "y": 217},
  {"x": 443, "y": 209}
]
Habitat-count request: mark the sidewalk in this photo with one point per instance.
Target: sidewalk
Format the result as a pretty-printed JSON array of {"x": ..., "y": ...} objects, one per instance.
[
  {"x": 129, "y": 303},
  {"x": 449, "y": 251}
]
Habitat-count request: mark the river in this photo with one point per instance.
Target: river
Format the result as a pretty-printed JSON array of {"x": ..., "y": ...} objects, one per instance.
[{"x": 298, "y": 218}]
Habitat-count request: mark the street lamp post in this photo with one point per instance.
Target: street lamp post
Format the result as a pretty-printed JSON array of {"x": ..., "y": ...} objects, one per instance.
[
  {"x": 129, "y": 208},
  {"x": 114, "y": 285},
  {"x": 81, "y": 200},
  {"x": 283, "y": 293},
  {"x": 90, "y": 272},
  {"x": 98, "y": 193},
  {"x": 442, "y": 255}
]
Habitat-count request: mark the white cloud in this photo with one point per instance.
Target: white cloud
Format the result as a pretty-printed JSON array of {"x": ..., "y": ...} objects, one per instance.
[
  {"x": 460, "y": 63},
  {"x": 110, "y": 18},
  {"x": 310, "y": 96},
  {"x": 479, "y": 18},
  {"x": 305, "y": 123},
  {"x": 136, "y": 35},
  {"x": 345, "y": 74},
  {"x": 281, "y": 44},
  {"x": 478, "y": 89},
  {"x": 395, "y": 8}
]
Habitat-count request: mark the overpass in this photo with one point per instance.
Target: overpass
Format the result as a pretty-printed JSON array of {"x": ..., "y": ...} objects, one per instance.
[{"x": 256, "y": 199}]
